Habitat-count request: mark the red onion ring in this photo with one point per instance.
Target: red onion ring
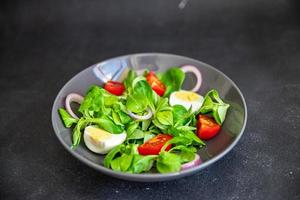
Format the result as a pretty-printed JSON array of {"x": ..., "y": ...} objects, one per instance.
[
  {"x": 196, "y": 72},
  {"x": 72, "y": 97},
  {"x": 191, "y": 164},
  {"x": 141, "y": 117}
]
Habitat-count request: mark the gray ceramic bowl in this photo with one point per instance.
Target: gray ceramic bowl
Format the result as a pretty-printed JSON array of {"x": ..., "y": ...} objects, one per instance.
[{"x": 117, "y": 68}]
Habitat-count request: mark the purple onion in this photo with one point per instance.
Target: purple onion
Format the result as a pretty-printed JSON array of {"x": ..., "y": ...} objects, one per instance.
[
  {"x": 196, "y": 72},
  {"x": 141, "y": 117},
  {"x": 72, "y": 97},
  {"x": 191, "y": 164}
]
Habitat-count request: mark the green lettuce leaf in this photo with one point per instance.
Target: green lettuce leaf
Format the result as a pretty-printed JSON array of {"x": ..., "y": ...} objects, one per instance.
[
  {"x": 173, "y": 80},
  {"x": 168, "y": 162},
  {"x": 215, "y": 106},
  {"x": 142, "y": 163},
  {"x": 97, "y": 102},
  {"x": 67, "y": 119}
]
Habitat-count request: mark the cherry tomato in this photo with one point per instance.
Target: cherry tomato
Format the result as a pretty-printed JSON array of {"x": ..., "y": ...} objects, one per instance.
[
  {"x": 114, "y": 87},
  {"x": 207, "y": 127},
  {"x": 154, "y": 145},
  {"x": 155, "y": 83}
]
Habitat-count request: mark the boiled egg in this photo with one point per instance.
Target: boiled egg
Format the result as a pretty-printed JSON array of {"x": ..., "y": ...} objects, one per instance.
[
  {"x": 100, "y": 141},
  {"x": 187, "y": 99}
]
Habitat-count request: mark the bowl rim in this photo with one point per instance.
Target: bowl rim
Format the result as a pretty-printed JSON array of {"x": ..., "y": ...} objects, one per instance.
[{"x": 149, "y": 176}]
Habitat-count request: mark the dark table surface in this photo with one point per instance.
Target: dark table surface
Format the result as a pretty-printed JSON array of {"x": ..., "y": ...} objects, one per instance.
[{"x": 44, "y": 43}]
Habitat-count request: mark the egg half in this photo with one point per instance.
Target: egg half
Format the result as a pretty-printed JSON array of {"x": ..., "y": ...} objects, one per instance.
[
  {"x": 187, "y": 99},
  {"x": 100, "y": 141}
]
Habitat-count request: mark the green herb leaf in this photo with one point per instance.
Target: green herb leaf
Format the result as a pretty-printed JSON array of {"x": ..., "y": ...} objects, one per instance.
[
  {"x": 116, "y": 164},
  {"x": 186, "y": 154},
  {"x": 76, "y": 137},
  {"x": 143, "y": 88},
  {"x": 214, "y": 105},
  {"x": 179, "y": 140},
  {"x": 108, "y": 125},
  {"x": 112, "y": 154},
  {"x": 116, "y": 118},
  {"x": 183, "y": 119},
  {"x": 220, "y": 114},
  {"x": 67, "y": 119},
  {"x": 129, "y": 79},
  {"x": 159, "y": 125},
  {"x": 97, "y": 102},
  {"x": 137, "y": 103},
  {"x": 125, "y": 162},
  {"x": 92, "y": 103},
  {"x": 178, "y": 114},
  {"x": 173, "y": 80},
  {"x": 137, "y": 80},
  {"x": 191, "y": 135},
  {"x": 132, "y": 127},
  {"x": 125, "y": 119},
  {"x": 186, "y": 139},
  {"x": 165, "y": 117},
  {"x": 168, "y": 162},
  {"x": 163, "y": 105},
  {"x": 153, "y": 129},
  {"x": 136, "y": 134},
  {"x": 146, "y": 124},
  {"x": 142, "y": 163},
  {"x": 186, "y": 128}
]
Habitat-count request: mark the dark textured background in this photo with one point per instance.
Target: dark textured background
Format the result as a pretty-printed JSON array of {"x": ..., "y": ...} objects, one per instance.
[{"x": 44, "y": 43}]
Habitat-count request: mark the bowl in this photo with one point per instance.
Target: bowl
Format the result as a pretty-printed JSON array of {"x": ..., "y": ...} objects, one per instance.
[{"x": 117, "y": 68}]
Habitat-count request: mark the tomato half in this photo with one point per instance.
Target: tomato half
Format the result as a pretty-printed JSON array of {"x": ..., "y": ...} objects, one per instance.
[
  {"x": 114, "y": 87},
  {"x": 155, "y": 83},
  {"x": 207, "y": 127},
  {"x": 154, "y": 145}
]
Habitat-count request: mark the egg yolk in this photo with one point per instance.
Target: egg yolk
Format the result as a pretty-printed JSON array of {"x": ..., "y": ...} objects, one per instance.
[
  {"x": 187, "y": 96},
  {"x": 97, "y": 134}
]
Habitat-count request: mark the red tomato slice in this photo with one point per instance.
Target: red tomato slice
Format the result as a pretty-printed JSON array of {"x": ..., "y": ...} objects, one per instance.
[
  {"x": 154, "y": 145},
  {"x": 155, "y": 83},
  {"x": 207, "y": 127},
  {"x": 114, "y": 87}
]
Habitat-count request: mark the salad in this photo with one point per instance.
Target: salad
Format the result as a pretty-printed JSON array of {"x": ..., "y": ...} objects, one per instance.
[{"x": 147, "y": 122}]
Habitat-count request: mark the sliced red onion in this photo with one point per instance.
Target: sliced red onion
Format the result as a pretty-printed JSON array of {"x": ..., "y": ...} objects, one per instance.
[
  {"x": 72, "y": 97},
  {"x": 191, "y": 164},
  {"x": 196, "y": 72},
  {"x": 141, "y": 117}
]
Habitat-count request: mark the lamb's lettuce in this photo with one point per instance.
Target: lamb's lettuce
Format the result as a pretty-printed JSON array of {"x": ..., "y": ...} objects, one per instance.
[
  {"x": 137, "y": 103},
  {"x": 185, "y": 153},
  {"x": 129, "y": 79},
  {"x": 215, "y": 106},
  {"x": 142, "y": 163},
  {"x": 168, "y": 162},
  {"x": 140, "y": 96},
  {"x": 165, "y": 117},
  {"x": 112, "y": 154},
  {"x": 67, "y": 119},
  {"x": 96, "y": 102},
  {"x": 172, "y": 79},
  {"x": 127, "y": 159}
]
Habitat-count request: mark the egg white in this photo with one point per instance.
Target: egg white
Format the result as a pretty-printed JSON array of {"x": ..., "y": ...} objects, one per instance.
[
  {"x": 101, "y": 141},
  {"x": 196, "y": 102}
]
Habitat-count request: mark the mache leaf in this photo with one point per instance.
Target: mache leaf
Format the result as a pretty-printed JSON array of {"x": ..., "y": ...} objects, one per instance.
[
  {"x": 67, "y": 119},
  {"x": 214, "y": 105},
  {"x": 173, "y": 80},
  {"x": 168, "y": 162}
]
